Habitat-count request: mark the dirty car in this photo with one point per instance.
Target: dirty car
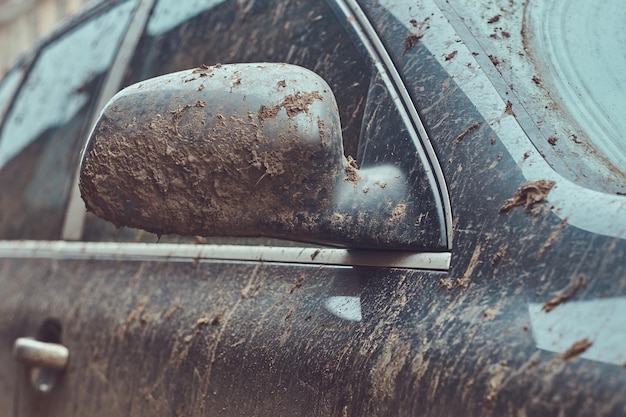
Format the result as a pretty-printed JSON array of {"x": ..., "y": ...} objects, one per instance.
[{"x": 342, "y": 207}]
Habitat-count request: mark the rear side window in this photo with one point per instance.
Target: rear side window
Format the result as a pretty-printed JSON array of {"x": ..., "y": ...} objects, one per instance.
[{"x": 46, "y": 123}]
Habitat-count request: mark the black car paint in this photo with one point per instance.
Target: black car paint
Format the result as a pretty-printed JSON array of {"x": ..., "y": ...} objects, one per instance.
[{"x": 209, "y": 338}]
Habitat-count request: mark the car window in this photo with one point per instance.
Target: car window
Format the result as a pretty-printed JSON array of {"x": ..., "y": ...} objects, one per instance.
[
  {"x": 313, "y": 35},
  {"x": 304, "y": 33},
  {"x": 48, "y": 120},
  {"x": 45, "y": 123},
  {"x": 386, "y": 140},
  {"x": 8, "y": 87}
]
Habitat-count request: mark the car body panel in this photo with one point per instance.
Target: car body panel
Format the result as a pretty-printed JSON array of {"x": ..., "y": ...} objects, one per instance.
[{"x": 488, "y": 336}]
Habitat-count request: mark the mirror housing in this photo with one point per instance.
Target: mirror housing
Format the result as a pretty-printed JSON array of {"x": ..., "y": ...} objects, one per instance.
[{"x": 238, "y": 150}]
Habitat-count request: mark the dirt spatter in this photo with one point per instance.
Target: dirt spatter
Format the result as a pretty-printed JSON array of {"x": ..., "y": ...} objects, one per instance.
[
  {"x": 563, "y": 297},
  {"x": 499, "y": 372},
  {"x": 451, "y": 55},
  {"x": 463, "y": 134},
  {"x": 464, "y": 281},
  {"x": 217, "y": 320},
  {"x": 293, "y": 104},
  {"x": 494, "y": 19},
  {"x": 497, "y": 257},
  {"x": 552, "y": 140},
  {"x": 490, "y": 313},
  {"x": 321, "y": 129},
  {"x": 385, "y": 370},
  {"x": 297, "y": 284},
  {"x": 352, "y": 171},
  {"x": 202, "y": 321},
  {"x": 552, "y": 237},
  {"x": 178, "y": 113},
  {"x": 509, "y": 108},
  {"x": 446, "y": 283},
  {"x": 270, "y": 162},
  {"x": 337, "y": 220},
  {"x": 135, "y": 314},
  {"x": 281, "y": 84},
  {"x": 202, "y": 71},
  {"x": 410, "y": 41},
  {"x": 494, "y": 60},
  {"x": 577, "y": 349},
  {"x": 529, "y": 196},
  {"x": 399, "y": 212}
]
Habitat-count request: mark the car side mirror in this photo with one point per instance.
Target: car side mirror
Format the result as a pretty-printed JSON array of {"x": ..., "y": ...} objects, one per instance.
[{"x": 238, "y": 150}]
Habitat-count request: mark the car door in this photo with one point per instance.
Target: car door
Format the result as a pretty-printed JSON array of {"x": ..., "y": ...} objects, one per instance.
[
  {"x": 178, "y": 327},
  {"x": 514, "y": 305}
]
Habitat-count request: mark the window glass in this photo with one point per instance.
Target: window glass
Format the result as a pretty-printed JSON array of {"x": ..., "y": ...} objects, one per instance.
[
  {"x": 8, "y": 87},
  {"x": 385, "y": 140},
  {"x": 45, "y": 125}
]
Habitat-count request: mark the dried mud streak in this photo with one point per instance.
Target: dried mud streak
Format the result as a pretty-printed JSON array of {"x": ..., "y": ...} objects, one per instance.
[
  {"x": 529, "y": 196},
  {"x": 465, "y": 280},
  {"x": 293, "y": 104},
  {"x": 384, "y": 372},
  {"x": 410, "y": 41},
  {"x": 134, "y": 315},
  {"x": 561, "y": 298},
  {"x": 577, "y": 349},
  {"x": 495, "y": 383},
  {"x": 494, "y": 19},
  {"x": 552, "y": 237},
  {"x": 451, "y": 55},
  {"x": 466, "y": 132},
  {"x": 223, "y": 323}
]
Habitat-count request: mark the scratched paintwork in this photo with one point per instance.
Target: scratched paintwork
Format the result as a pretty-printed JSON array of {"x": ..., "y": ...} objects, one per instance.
[{"x": 210, "y": 338}]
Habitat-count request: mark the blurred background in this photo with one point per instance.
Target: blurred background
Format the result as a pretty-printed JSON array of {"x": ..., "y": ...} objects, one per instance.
[{"x": 24, "y": 22}]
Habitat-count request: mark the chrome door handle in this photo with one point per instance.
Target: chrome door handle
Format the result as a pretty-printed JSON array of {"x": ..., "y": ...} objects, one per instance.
[{"x": 34, "y": 353}]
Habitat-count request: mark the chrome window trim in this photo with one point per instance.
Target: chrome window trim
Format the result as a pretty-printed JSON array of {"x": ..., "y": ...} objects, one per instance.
[{"x": 172, "y": 252}]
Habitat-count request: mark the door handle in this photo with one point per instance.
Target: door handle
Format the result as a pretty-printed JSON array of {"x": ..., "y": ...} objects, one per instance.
[
  {"x": 46, "y": 361},
  {"x": 34, "y": 353}
]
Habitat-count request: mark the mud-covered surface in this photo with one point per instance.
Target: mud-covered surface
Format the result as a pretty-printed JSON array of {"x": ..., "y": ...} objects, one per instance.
[
  {"x": 205, "y": 338},
  {"x": 187, "y": 338},
  {"x": 260, "y": 158},
  {"x": 529, "y": 196},
  {"x": 186, "y": 162}
]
